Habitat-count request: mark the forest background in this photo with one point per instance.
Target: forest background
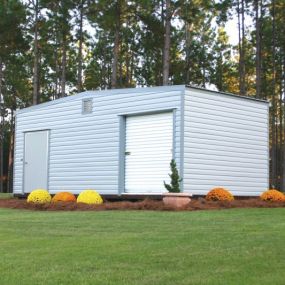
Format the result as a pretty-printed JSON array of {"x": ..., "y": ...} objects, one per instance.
[{"x": 55, "y": 48}]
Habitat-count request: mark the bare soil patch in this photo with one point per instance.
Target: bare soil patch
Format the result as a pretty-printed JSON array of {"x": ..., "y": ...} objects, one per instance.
[{"x": 147, "y": 204}]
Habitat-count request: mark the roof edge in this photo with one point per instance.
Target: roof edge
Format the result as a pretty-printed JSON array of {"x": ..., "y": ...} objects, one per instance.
[
  {"x": 227, "y": 93},
  {"x": 103, "y": 92},
  {"x": 133, "y": 90}
]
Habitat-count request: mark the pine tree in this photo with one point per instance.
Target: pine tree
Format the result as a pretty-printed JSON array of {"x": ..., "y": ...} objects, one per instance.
[
  {"x": 175, "y": 179},
  {"x": 12, "y": 47}
]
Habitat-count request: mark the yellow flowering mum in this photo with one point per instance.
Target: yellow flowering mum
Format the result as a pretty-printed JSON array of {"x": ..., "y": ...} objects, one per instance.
[
  {"x": 39, "y": 196},
  {"x": 273, "y": 195},
  {"x": 89, "y": 197}
]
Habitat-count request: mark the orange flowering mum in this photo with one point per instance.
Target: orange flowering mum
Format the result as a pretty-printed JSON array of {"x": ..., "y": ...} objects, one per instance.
[
  {"x": 273, "y": 195},
  {"x": 219, "y": 194},
  {"x": 63, "y": 197}
]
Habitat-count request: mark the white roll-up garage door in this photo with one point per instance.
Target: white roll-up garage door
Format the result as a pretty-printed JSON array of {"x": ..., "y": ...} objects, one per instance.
[{"x": 149, "y": 143}]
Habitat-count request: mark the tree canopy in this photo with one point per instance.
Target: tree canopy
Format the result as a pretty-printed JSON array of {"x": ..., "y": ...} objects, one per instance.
[{"x": 51, "y": 49}]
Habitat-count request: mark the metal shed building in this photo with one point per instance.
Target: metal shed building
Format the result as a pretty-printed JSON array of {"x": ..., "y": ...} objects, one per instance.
[{"x": 120, "y": 142}]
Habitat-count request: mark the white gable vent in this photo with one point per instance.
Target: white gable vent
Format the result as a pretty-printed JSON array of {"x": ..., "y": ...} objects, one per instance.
[{"x": 87, "y": 105}]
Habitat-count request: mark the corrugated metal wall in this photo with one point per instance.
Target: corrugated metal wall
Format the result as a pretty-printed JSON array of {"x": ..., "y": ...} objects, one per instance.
[
  {"x": 84, "y": 149},
  {"x": 225, "y": 139},
  {"x": 225, "y": 143}
]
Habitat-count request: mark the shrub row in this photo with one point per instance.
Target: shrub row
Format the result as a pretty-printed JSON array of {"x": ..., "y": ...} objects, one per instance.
[
  {"x": 41, "y": 196},
  {"x": 222, "y": 194}
]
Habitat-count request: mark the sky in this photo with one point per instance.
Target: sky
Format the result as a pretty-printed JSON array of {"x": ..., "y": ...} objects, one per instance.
[
  {"x": 231, "y": 28},
  {"x": 232, "y": 31}
]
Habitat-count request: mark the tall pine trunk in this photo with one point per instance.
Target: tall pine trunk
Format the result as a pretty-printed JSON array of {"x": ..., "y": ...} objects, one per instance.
[
  {"x": 203, "y": 62},
  {"x": 132, "y": 68},
  {"x": 104, "y": 72},
  {"x": 36, "y": 57},
  {"x": 166, "y": 49},
  {"x": 283, "y": 145},
  {"x": 63, "y": 66},
  {"x": 120, "y": 74},
  {"x": 56, "y": 86},
  {"x": 258, "y": 64},
  {"x": 57, "y": 73},
  {"x": 273, "y": 109},
  {"x": 2, "y": 110},
  {"x": 280, "y": 134},
  {"x": 11, "y": 155},
  {"x": 128, "y": 56},
  {"x": 80, "y": 59},
  {"x": 241, "y": 45},
  {"x": 56, "y": 39},
  {"x": 243, "y": 87},
  {"x": 128, "y": 68},
  {"x": 116, "y": 47},
  {"x": 187, "y": 59}
]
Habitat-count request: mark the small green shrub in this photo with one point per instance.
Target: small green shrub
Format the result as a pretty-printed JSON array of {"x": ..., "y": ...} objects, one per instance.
[{"x": 174, "y": 179}]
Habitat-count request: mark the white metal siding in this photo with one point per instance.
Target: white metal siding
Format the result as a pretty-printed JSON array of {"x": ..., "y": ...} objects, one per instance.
[
  {"x": 225, "y": 143},
  {"x": 84, "y": 148},
  {"x": 149, "y": 152}
]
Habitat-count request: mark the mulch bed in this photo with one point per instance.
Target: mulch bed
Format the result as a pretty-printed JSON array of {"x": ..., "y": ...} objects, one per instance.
[{"x": 147, "y": 204}]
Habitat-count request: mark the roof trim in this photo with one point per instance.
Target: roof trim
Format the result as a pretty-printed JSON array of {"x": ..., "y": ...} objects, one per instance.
[
  {"x": 104, "y": 92},
  {"x": 226, "y": 93},
  {"x": 154, "y": 89}
]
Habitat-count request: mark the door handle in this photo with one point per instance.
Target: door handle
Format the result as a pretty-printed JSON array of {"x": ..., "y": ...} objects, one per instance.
[{"x": 127, "y": 153}]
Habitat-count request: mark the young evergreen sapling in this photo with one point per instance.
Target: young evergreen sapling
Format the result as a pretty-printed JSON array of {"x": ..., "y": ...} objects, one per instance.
[{"x": 174, "y": 179}]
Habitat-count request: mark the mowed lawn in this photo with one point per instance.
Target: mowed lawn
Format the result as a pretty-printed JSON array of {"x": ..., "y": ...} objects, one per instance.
[{"x": 240, "y": 246}]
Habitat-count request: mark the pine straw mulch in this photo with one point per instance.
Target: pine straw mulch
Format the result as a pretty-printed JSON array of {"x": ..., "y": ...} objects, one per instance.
[{"x": 147, "y": 204}]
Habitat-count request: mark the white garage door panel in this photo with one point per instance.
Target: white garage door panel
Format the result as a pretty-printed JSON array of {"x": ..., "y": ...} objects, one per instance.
[{"x": 149, "y": 142}]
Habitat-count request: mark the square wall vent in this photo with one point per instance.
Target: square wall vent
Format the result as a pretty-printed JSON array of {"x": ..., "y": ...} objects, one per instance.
[{"x": 87, "y": 106}]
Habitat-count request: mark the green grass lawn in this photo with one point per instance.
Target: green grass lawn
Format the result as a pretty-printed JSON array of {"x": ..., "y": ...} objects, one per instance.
[{"x": 241, "y": 246}]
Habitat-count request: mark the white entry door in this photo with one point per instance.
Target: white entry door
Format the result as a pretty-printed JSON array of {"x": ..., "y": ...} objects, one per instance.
[
  {"x": 36, "y": 160},
  {"x": 149, "y": 143}
]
